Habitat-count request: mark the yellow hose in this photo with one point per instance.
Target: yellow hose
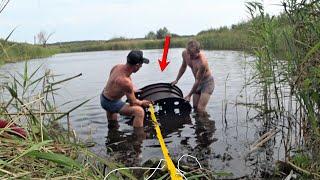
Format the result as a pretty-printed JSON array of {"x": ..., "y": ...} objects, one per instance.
[{"x": 172, "y": 169}]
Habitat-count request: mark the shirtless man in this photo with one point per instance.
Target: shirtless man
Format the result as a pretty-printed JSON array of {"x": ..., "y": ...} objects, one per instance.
[
  {"x": 204, "y": 83},
  {"x": 120, "y": 84}
]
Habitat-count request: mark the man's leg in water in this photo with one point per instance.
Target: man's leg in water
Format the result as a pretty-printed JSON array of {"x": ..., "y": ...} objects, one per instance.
[
  {"x": 112, "y": 119},
  {"x": 138, "y": 136},
  {"x": 112, "y": 116},
  {"x": 195, "y": 100},
  {"x": 203, "y": 102},
  {"x": 206, "y": 91},
  {"x": 135, "y": 111}
]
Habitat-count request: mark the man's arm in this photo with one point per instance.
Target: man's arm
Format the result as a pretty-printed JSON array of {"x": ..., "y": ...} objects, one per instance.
[
  {"x": 130, "y": 95},
  {"x": 181, "y": 70},
  {"x": 132, "y": 98}
]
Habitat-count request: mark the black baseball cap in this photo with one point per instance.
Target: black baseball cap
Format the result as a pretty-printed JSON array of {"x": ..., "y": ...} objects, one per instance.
[{"x": 136, "y": 57}]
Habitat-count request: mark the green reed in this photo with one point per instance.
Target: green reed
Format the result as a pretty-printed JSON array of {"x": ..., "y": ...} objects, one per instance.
[
  {"x": 226, "y": 39},
  {"x": 287, "y": 48},
  {"x": 49, "y": 151}
]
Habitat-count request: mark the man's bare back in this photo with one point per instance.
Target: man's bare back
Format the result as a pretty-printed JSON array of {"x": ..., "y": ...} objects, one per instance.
[{"x": 118, "y": 83}]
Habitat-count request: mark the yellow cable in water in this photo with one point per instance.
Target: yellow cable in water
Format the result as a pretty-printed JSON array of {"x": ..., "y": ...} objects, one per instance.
[{"x": 172, "y": 169}]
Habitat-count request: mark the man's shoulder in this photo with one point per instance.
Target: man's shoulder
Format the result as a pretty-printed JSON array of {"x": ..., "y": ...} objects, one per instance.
[
  {"x": 184, "y": 53},
  {"x": 115, "y": 68},
  {"x": 201, "y": 54},
  {"x": 125, "y": 82},
  {"x": 185, "y": 57},
  {"x": 202, "y": 57}
]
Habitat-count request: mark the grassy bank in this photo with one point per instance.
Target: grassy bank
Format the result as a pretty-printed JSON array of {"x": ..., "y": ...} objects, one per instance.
[
  {"x": 235, "y": 37},
  {"x": 211, "y": 40},
  {"x": 13, "y": 52},
  {"x": 229, "y": 39},
  {"x": 117, "y": 45}
]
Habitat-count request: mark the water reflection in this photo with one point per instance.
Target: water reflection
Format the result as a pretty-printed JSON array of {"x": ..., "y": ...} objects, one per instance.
[
  {"x": 125, "y": 147},
  {"x": 261, "y": 160},
  {"x": 204, "y": 130},
  {"x": 170, "y": 123}
]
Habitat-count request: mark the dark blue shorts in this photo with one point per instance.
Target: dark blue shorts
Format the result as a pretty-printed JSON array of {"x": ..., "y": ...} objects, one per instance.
[{"x": 112, "y": 106}]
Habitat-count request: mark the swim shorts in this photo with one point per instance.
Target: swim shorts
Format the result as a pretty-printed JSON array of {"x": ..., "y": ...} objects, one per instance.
[
  {"x": 206, "y": 86},
  {"x": 112, "y": 106}
]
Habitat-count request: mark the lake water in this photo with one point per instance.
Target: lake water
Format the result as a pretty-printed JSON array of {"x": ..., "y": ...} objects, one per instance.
[{"x": 220, "y": 142}]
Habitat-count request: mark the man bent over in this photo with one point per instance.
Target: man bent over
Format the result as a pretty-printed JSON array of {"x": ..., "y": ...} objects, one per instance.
[{"x": 120, "y": 84}]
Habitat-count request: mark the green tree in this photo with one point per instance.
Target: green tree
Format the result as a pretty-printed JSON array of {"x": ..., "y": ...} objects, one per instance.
[
  {"x": 162, "y": 32},
  {"x": 151, "y": 35}
]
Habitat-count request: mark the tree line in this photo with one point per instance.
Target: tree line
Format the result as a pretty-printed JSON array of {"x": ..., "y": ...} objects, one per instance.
[{"x": 160, "y": 34}]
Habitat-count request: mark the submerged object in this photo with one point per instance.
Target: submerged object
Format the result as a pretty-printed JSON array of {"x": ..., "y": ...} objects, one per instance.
[
  {"x": 167, "y": 99},
  {"x": 171, "y": 123}
]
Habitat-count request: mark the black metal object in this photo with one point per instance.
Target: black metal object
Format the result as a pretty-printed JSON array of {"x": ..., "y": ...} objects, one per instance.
[
  {"x": 170, "y": 123},
  {"x": 167, "y": 99}
]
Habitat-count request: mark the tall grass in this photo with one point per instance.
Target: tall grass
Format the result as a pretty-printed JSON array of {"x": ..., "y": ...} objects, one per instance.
[
  {"x": 287, "y": 70},
  {"x": 13, "y": 52},
  {"x": 223, "y": 39},
  {"x": 228, "y": 39},
  {"x": 117, "y": 45},
  {"x": 28, "y": 99}
]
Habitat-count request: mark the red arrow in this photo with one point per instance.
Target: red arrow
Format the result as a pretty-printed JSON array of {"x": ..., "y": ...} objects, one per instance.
[{"x": 163, "y": 63}]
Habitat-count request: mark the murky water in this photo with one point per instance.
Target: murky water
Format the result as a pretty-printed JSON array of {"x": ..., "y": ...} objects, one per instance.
[{"x": 220, "y": 142}]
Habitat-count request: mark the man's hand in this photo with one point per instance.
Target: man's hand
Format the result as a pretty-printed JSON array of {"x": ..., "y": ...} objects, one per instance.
[
  {"x": 145, "y": 103},
  {"x": 187, "y": 98},
  {"x": 174, "y": 82}
]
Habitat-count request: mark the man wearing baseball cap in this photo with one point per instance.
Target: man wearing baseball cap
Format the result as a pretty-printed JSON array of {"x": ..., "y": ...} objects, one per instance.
[{"x": 118, "y": 85}]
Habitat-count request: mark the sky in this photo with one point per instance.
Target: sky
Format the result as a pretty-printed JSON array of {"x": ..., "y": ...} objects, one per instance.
[{"x": 73, "y": 20}]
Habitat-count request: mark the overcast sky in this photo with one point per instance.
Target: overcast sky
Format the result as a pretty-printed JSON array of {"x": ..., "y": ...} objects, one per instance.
[{"x": 72, "y": 20}]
